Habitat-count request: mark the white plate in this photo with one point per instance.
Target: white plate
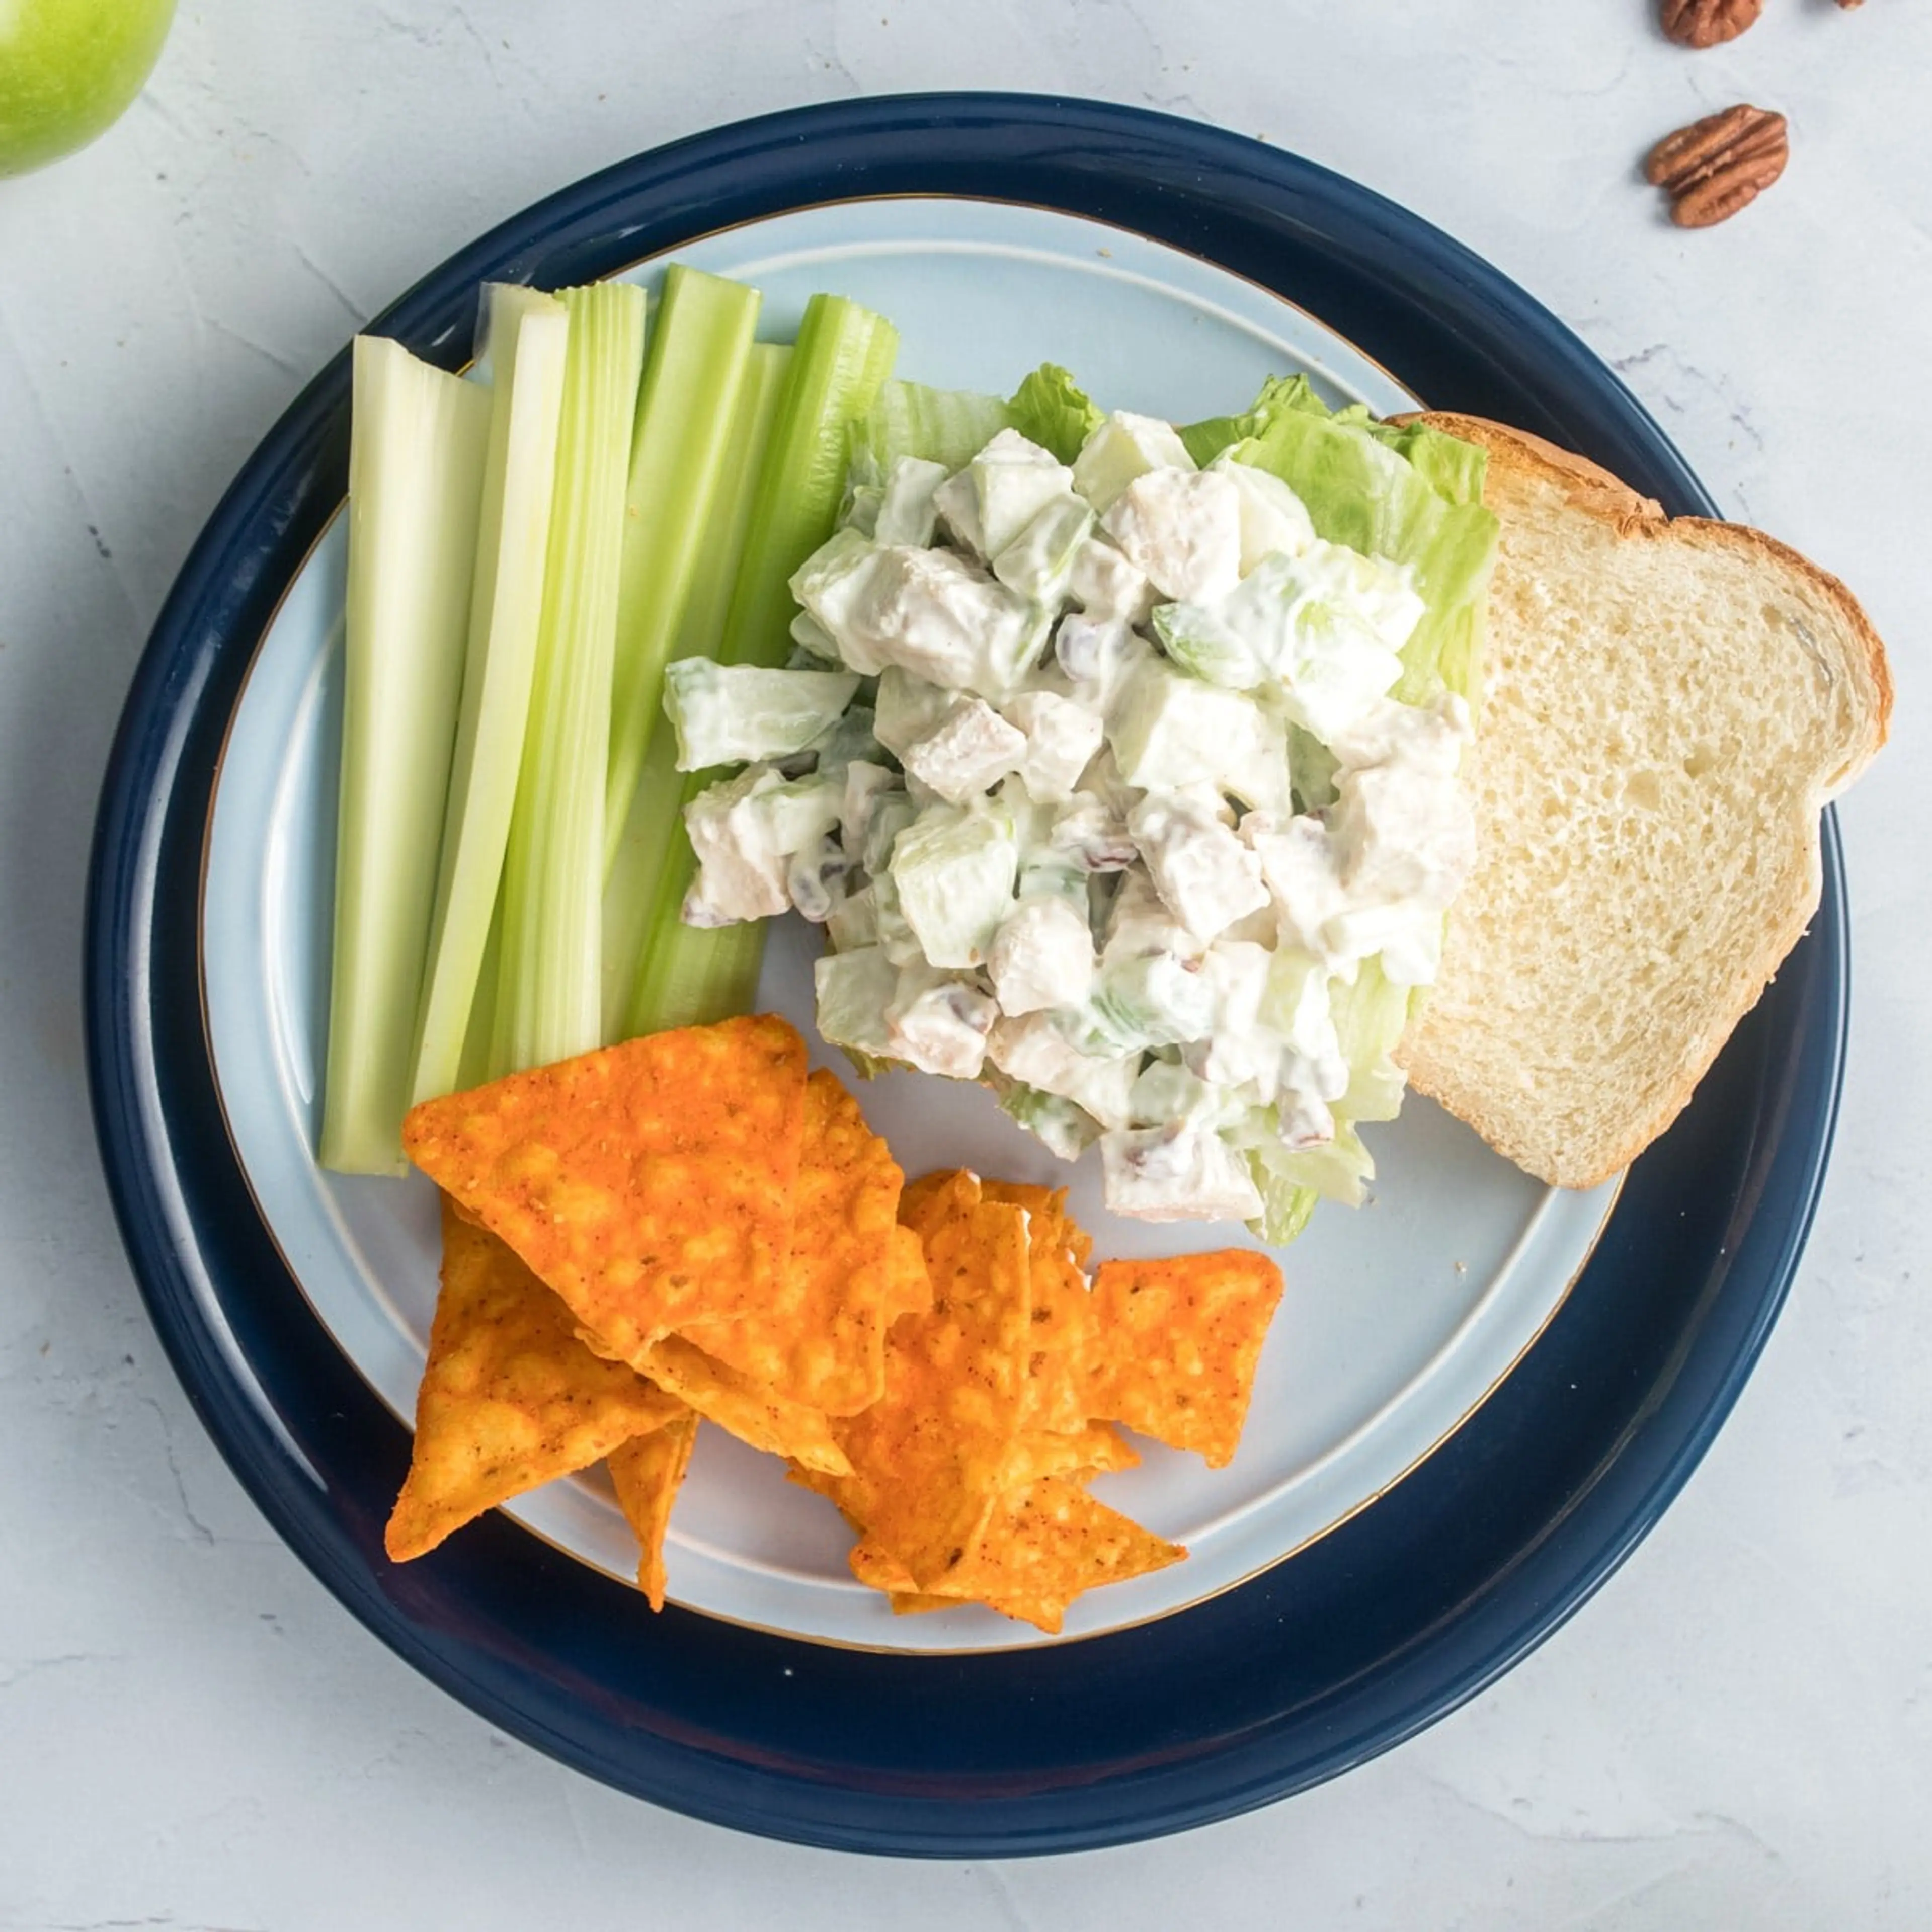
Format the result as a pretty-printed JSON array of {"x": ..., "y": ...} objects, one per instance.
[{"x": 1398, "y": 1319}]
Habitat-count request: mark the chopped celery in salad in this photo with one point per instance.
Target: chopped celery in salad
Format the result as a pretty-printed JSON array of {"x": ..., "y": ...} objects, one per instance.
[{"x": 1117, "y": 759}]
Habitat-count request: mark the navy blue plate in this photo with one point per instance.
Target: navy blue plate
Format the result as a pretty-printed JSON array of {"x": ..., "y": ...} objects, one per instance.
[{"x": 1359, "y": 1641}]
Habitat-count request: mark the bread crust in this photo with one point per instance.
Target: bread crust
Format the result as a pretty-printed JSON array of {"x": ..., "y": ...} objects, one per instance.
[
  {"x": 1511, "y": 1122},
  {"x": 1595, "y": 492}
]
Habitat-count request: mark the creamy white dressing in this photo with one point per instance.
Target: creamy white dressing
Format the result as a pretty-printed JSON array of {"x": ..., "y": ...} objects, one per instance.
[{"x": 1095, "y": 876}]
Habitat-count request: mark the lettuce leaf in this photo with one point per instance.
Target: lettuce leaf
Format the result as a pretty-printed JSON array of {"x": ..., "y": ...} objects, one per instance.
[
  {"x": 1286, "y": 1203},
  {"x": 948, "y": 426},
  {"x": 1413, "y": 494},
  {"x": 1406, "y": 492},
  {"x": 1049, "y": 408},
  {"x": 1206, "y": 440},
  {"x": 1452, "y": 468}
]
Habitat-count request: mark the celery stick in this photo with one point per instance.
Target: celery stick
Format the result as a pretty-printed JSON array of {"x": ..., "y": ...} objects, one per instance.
[
  {"x": 417, "y": 444},
  {"x": 701, "y": 632},
  {"x": 700, "y": 339},
  {"x": 841, "y": 359},
  {"x": 527, "y": 336},
  {"x": 652, "y": 825},
  {"x": 631, "y": 891},
  {"x": 478, "y": 1038},
  {"x": 546, "y": 1003},
  {"x": 696, "y": 977}
]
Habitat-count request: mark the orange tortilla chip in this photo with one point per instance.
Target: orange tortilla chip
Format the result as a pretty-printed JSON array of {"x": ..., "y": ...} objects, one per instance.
[
  {"x": 647, "y": 1473},
  {"x": 878, "y": 1571},
  {"x": 510, "y": 1398},
  {"x": 1049, "y": 1542},
  {"x": 649, "y": 1184},
  {"x": 931, "y": 1194},
  {"x": 1184, "y": 1335},
  {"x": 931, "y": 1458},
  {"x": 1068, "y": 1339},
  {"x": 1095, "y": 1449},
  {"x": 819, "y": 1339},
  {"x": 750, "y": 1412},
  {"x": 1050, "y": 1225},
  {"x": 910, "y": 1290},
  {"x": 910, "y": 1604}
]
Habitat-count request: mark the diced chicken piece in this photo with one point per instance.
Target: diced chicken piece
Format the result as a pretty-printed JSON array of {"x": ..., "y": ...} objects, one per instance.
[
  {"x": 938, "y": 1024},
  {"x": 1182, "y": 530},
  {"x": 1093, "y": 838},
  {"x": 1402, "y": 832},
  {"x": 1299, "y": 1007},
  {"x": 1302, "y": 870},
  {"x": 929, "y": 610},
  {"x": 969, "y": 753},
  {"x": 1033, "y": 1050},
  {"x": 1240, "y": 1050},
  {"x": 1061, "y": 739},
  {"x": 1427, "y": 737},
  {"x": 1181, "y": 1172},
  {"x": 1204, "y": 874},
  {"x": 745, "y": 833},
  {"x": 741, "y": 875},
  {"x": 990, "y": 501},
  {"x": 1274, "y": 520},
  {"x": 1042, "y": 957},
  {"x": 1139, "y": 921},
  {"x": 866, "y": 784}
]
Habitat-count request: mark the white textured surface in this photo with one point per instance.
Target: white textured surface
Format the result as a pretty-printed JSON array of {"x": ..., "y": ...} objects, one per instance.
[{"x": 1737, "y": 1731}]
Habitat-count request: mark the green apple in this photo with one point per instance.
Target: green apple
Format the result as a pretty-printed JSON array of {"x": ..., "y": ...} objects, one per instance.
[{"x": 68, "y": 69}]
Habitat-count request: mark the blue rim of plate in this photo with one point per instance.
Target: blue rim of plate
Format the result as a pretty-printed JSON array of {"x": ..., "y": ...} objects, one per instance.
[{"x": 1357, "y": 1643}]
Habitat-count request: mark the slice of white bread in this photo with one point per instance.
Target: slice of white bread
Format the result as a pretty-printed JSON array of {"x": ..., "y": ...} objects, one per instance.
[{"x": 1667, "y": 706}]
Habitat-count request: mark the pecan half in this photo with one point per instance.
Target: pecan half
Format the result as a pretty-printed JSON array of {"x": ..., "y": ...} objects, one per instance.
[
  {"x": 1720, "y": 164},
  {"x": 1704, "y": 23}
]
